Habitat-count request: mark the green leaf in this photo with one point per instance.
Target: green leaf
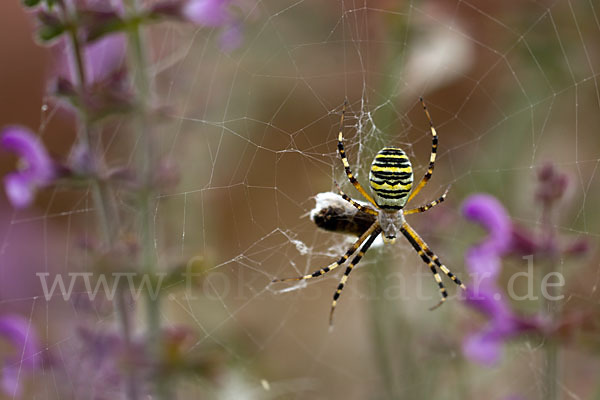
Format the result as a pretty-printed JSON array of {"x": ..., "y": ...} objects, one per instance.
[
  {"x": 31, "y": 3},
  {"x": 100, "y": 24},
  {"x": 51, "y": 26},
  {"x": 48, "y": 32}
]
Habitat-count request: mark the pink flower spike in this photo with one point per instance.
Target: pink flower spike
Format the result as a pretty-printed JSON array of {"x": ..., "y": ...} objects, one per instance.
[{"x": 484, "y": 262}]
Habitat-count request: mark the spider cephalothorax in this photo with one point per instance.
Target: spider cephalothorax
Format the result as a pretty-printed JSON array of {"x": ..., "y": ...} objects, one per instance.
[{"x": 391, "y": 179}]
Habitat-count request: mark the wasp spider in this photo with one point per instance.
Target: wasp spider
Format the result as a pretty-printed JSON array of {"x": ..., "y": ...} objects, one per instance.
[{"x": 391, "y": 179}]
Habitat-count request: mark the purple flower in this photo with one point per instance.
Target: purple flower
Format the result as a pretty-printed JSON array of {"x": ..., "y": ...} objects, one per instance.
[
  {"x": 207, "y": 12},
  {"x": 484, "y": 258},
  {"x": 215, "y": 13},
  {"x": 18, "y": 332},
  {"x": 37, "y": 168},
  {"x": 485, "y": 346},
  {"x": 102, "y": 5},
  {"x": 484, "y": 262},
  {"x": 101, "y": 58}
]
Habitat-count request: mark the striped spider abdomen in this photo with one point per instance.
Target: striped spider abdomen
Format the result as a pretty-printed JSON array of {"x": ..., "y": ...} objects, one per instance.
[{"x": 391, "y": 178}]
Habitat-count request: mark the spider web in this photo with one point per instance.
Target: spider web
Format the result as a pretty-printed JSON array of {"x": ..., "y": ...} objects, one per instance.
[{"x": 254, "y": 131}]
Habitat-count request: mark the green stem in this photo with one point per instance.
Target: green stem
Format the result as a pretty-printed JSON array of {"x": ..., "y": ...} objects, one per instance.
[
  {"x": 394, "y": 63},
  {"x": 142, "y": 84},
  {"x": 551, "y": 369},
  {"x": 380, "y": 327},
  {"x": 551, "y": 372},
  {"x": 100, "y": 192},
  {"x": 123, "y": 316},
  {"x": 388, "y": 320},
  {"x": 81, "y": 75},
  {"x": 145, "y": 158},
  {"x": 104, "y": 203}
]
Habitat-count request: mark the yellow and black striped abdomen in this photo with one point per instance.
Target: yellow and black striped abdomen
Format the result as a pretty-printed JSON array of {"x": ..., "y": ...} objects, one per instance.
[{"x": 391, "y": 178}]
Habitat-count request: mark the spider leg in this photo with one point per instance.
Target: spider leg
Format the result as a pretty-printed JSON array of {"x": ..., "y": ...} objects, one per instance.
[
  {"x": 419, "y": 244},
  {"x": 415, "y": 242},
  {"x": 438, "y": 279},
  {"x": 427, "y": 206},
  {"x": 432, "y": 157},
  {"x": 360, "y": 207},
  {"x": 342, "y": 152},
  {"x": 354, "y": 262},
  {"x": 339, "y": 262}
]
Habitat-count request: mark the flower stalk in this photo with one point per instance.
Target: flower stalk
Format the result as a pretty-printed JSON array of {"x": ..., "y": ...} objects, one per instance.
[
  {"x": 103, "y": 201},
  {"x": 100, "y": 191},
  {"x": 143, "y": 93},
  {"x": 551, "y": 188},
  {"x": 551, "y": 307}
]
